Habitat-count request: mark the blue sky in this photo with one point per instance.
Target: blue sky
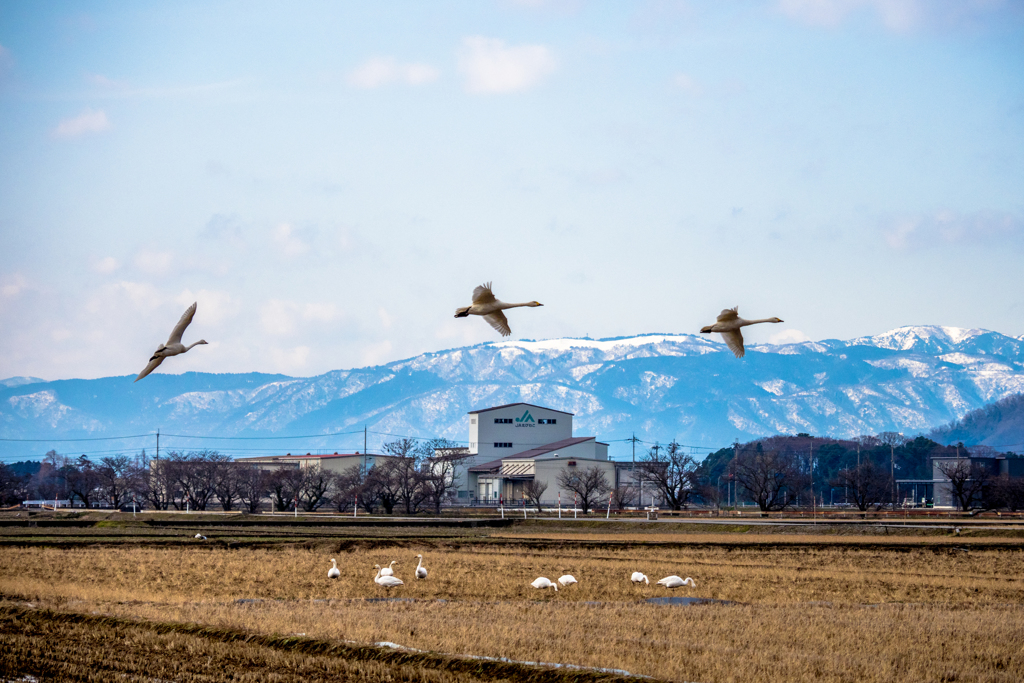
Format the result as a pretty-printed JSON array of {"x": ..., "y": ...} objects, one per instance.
[{"x": 330, "y": 180}]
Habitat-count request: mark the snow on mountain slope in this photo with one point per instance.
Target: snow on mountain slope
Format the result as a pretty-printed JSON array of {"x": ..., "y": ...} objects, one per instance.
[{"x": 661, "y": 386}]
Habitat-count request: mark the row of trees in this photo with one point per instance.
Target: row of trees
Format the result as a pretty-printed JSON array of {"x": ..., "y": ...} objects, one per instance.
[{"x": 419, "y": 475}]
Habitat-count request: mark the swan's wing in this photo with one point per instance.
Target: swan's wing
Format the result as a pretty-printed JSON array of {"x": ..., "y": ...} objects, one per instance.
[
  {"x": 150, "y": 367},
  {"x": 498, "y": 321},
  {"x": 734, "y": 340},
  {"x": 483, "y": 294},
  {"x": 729, "y": 314},
  {"x": 179, "y": 329}
]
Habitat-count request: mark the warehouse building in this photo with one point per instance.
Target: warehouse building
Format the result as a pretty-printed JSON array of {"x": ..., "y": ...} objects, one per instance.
[
  {"x": 336, "y": 463},
  {"x": 513, "y": 444}
]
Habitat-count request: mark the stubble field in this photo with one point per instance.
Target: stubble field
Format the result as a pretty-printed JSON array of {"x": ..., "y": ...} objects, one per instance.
[{"x": 813, "y": 608}]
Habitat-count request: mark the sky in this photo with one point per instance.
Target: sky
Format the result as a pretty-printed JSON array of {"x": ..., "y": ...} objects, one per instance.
[{"x": 330, "y": 181}]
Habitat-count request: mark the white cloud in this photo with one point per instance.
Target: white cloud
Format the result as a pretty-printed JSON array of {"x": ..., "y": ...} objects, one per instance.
[
  {"x": 89, "y": 121},
  {"x": 323, "y": 313},
  {"x": 13, "y": 286},
  {"x": 687, "y": 84},
  {"x": 289, "y": 361},
  {"x": 379, "y": 71},
  {"x": 106, "y": 265},
  {"x": 950, "y": 227},
  {"x": 212, "y": 306},
  {"x": 385, "y": 318},
  {"x": 280, "y": 317},
  {"x": 154, "y": 262},
  {"x": 492, "y": 67},
  {"x": 378, "y": 353},
  {"x": 291, "y": 244},
  {"x": 788, "y": 337},
  {"x": 277, "y": 317}
]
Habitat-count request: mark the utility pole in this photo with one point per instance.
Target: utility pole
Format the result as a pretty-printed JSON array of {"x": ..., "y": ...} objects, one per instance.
[
  {"x": 632, "y": 470},
  {"x": 810, "y": 464},
  {"x": 158, "y": 444},
  {"x": 892, "y": 473}
]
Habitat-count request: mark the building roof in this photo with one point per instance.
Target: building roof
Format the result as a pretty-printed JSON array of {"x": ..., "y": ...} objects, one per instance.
[
  {"x": 532, "y": 453},
  {"x": 509, "y": 405},
  {"x": 290, "y": 457}
]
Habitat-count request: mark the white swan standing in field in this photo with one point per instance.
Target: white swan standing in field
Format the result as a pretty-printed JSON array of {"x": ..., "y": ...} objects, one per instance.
[
  {"x": 200, "y": 537},
  {"x": 729, "y": 324},
  {"x": 676, "y": 582},
  {"x": 334, "y": 572},
  {"x": 386, "y": 581},
  {"x": 567, "y": 579},
  {"x": 638, "y": 577},
  {"x": 543, "y": 582},
  {"x": 173, "y": 346},
  {"x": 389, "y": 570},
  {"x": 491, "y": 309},
  {"x": 421, "y": 571}
]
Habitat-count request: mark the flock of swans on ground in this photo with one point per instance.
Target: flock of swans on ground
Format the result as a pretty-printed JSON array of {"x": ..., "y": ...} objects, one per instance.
[
  {"x": 386, "y": 577},
  {"x": 486, "y": 305}
]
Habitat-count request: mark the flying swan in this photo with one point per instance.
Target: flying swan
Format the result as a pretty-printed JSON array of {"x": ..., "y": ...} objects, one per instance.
[
  {"x": 333, "y": 572},
  {"x": 173, "y": 346},
  {"x": 567, "y": 580},
  {"x": 729, "y": 324},
  {"x": 390, "y": 569},
  {"x": 491, "y": 309},
  {"x": 638, "y": 577},
  {"x": 676, "y": 582},
  {"x": 386, "y": 581},
  {"x": 421, "y": 571},
  {"x": 543, "y": 582}
]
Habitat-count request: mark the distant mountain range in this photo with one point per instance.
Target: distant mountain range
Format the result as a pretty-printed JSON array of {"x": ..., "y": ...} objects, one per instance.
[{"x": 659, "y": 386}]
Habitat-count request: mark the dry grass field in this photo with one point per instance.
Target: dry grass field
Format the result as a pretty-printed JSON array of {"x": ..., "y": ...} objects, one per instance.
[{"x": 821, "y": 609}]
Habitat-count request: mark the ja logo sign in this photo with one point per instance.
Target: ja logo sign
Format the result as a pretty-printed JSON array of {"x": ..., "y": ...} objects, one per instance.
[{"x": 526, "y": 420}]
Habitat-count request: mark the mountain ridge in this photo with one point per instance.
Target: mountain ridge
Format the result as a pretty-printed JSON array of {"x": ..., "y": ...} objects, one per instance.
[{"x": 660, "y": 386}]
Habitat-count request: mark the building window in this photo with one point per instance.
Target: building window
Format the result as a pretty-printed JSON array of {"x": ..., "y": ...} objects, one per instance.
[
  {"x": 503, "y": 420},
  {"x": 472, "y": 420},
  {"x": 503, "y": 444},
  {"x": 547, "y": 422}
]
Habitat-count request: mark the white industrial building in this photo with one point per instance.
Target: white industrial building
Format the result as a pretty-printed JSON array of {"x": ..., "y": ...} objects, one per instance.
[{"x": 519, "y": 442}]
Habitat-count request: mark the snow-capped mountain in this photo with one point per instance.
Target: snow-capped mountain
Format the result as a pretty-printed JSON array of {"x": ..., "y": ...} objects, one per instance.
[{"x": 660, "y": 386}]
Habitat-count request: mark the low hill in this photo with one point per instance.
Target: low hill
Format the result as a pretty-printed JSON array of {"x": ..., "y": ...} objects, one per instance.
[{"x": 999, "y": 425}]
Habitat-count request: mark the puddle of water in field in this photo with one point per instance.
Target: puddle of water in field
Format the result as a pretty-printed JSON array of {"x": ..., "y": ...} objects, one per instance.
[{"x": 688, "y": 601}]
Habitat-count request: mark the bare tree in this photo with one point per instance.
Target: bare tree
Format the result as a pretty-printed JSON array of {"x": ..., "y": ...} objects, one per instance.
[
  {"x": 252, "y": 485},
  {"x": 866, "y": 484},
  {"x": 116, "y": 478},
  {"x": 589, "y": 484},
  {"x": 624, "y": 496},
  {"x": 12, "y": 486},
  {"x": 770, "y": 478},
  {"x": 226, "y": 483},
  {"x": 673, "y": 473},
  {"x": 315, "y": 487},
  {"x": 48, "y": 483},
  {"x": 157, "y": 484},
  {"x": 284, "y": 488},
  {"x": 83, "y": 480},
  {"x": 441, "y": 460},
  {"x": 967, "y": 481},
  {"x": 347, "y": 486},
  {"x": 1007, "y": 493},
  {"x": 533, "y": 490}
]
